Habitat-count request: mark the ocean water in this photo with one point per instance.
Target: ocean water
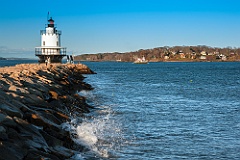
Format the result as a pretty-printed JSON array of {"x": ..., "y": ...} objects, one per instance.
[
  {"x": 160, "y": 111},
  {"x": 4, "y": 63}
]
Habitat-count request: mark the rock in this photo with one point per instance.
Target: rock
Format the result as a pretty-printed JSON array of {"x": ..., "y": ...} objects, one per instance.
[
  {"x": 11, "y": 151},
  {"x": 34, "y": 138},
  {"x": 20, "y": 105},
  {"x": 14, "y": 95},
  {"x": 62, "y": 116},
  {"x": 40, "y": 155},
  {"x": 51, "y": 140},
  {"x": 14, "y": 136},
  {"x": 32, "y": 99},
  {"x": 58, "y": 106},
  {"x": 6, "y": 120},
  {"x": 18, "y": 90},
  {"x": 25, "y": 72},
  {"x": 53, "y": 94},
  {"x": 39, "y": 120},
  {"x": 34, "y": 144},
  {"x": 11, "y": 111},
  {"x": 2, "y": 129},
  {"x": 3, "y": 88},
  {"x": 3, "y": 134},
  {"x": 48, "y": 114},
  {"x": 35, "y": 101},
  {"x": 35, "y": 92},
  {"x": 15, "y": 75},
  {"x": 61, "y": 151}
]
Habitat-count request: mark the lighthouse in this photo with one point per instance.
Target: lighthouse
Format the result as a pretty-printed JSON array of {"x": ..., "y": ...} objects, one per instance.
[{"x": 50, "y": 50}]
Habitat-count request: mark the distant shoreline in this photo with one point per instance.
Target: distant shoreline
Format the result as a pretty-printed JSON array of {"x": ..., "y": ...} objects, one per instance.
[
  {"x": 199, "y": 53},
  {"x": 159, "y": 61}
]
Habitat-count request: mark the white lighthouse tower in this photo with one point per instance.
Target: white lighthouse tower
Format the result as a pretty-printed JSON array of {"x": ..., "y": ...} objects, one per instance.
[{"x": 50, "y": 49}]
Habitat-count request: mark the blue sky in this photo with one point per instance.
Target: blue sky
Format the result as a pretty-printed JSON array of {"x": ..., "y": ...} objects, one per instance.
[{"x": 94, "y": 26}]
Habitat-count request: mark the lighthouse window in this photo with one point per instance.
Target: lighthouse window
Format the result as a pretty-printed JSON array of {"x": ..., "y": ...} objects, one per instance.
[
  {"x": 44, "y": 43},
  {"x": 57, "y": 43}
]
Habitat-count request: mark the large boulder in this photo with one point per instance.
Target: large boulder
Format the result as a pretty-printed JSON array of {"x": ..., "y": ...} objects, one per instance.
[
  {"x": 3, "y": 134},
  {"x": 31, "y": 136},
  {"x": 11, "y": 151},
  {"x": 6, "y": 120},
  {"x": 33, "y": 154},
  {"x": 11, "y": 111}
]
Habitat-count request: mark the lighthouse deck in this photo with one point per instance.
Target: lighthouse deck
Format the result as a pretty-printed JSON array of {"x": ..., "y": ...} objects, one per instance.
[
  {"x": 55, "y": 32},
  {"x": 50, "y": 50}
]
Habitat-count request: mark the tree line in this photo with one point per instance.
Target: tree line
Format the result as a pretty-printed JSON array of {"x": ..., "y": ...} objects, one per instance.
[{"x": 166, "y": 53}]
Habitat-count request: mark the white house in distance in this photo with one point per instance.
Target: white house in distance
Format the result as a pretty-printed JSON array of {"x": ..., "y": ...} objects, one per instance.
[{"x": 50, "y": 49}]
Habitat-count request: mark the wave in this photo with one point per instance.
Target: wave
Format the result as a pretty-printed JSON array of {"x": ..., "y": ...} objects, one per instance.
[{"x": 98, "y": 132}]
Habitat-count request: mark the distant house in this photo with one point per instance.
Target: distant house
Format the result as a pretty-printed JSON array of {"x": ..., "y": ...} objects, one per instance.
[
  {"x": 202, "y": 57},
  {"x": 222, "y": 57},
  {"x": 166, "y": 57},
  {"x": 182, "y": 55},
  {"x": 203, "y": 53}
]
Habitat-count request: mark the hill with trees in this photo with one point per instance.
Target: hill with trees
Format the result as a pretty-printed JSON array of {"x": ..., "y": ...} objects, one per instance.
[{"x": 169, "y": 54}]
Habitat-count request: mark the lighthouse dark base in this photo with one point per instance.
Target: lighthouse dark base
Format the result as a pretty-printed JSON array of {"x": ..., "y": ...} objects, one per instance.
[{"x": 53, "y": 58}]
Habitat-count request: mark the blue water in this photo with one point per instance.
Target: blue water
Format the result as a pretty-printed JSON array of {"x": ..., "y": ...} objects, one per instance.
[
  {"x": 165, "y": 110},
  {"x": 161, "y": 111},
  {"x": 4, "y": 63}
]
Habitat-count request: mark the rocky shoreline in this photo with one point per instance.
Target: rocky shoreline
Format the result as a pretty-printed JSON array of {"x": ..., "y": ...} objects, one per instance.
[{"x": 35, "y": 101}]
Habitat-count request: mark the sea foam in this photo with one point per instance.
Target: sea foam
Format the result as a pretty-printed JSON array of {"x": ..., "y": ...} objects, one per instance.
[{"x": 98, "y": 132}]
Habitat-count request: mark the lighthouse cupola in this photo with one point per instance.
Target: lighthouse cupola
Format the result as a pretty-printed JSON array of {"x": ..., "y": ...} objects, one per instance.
[{"x": 51, "y": 22}]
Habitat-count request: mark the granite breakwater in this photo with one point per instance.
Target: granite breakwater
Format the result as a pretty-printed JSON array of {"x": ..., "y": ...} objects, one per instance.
[{"x": 35, "y": 101}]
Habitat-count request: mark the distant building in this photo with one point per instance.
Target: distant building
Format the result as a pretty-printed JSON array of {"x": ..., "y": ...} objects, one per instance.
[
  {"x": 222, "y": 57},
  {"x": 202, "y": 57},
  {"x": 166, "y": 57},
  {"x": 182, "y": 55},
  {"x": 50, "y": 50},
  {"x": 203, "y": 53}
]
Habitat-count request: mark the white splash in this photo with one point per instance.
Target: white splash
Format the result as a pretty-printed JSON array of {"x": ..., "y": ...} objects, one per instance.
[
  {"x": 87, "y": 134},
  {"x": 100, "y": 134}
]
